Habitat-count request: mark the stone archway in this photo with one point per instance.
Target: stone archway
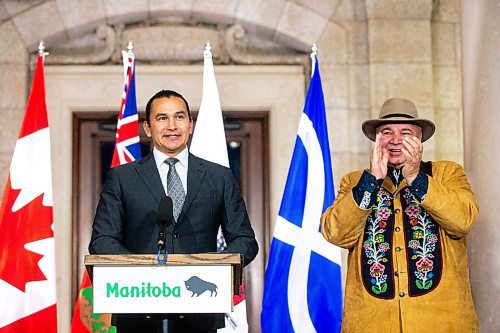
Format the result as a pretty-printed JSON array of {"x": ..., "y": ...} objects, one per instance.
[{"x": 79, "y": 33}]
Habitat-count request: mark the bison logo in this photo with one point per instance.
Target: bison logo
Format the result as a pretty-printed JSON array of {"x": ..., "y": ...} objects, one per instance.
[{"x": 198, "y": 286}]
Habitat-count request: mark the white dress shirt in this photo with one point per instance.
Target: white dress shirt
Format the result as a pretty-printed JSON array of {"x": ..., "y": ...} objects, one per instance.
[{"x": 181, "y": 167}]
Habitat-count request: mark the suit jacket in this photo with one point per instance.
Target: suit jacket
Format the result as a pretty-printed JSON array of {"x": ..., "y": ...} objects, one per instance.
[{"x": 125, "y": 217}]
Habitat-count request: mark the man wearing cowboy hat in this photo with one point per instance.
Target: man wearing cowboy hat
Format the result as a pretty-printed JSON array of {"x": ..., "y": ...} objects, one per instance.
[{"x": 404, "y": 223}]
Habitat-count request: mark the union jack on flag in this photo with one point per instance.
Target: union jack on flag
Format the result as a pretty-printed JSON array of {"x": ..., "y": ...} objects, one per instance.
[{"x": 127, "y": 147}]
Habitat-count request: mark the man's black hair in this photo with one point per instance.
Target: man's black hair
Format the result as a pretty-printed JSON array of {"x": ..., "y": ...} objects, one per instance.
[{"x": 164, "y": 94}]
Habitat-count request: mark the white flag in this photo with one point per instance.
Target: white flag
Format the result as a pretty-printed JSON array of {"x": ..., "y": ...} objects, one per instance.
[
  {"x": 209, "y": 139},
  {"x": 209, "y": 143}
]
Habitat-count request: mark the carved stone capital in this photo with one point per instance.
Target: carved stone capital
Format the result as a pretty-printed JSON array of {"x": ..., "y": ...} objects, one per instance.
[
  {"x": 171, "y": 43},
  {"x": 98, "y": 53},
  {"x": 249, "y": 54}
]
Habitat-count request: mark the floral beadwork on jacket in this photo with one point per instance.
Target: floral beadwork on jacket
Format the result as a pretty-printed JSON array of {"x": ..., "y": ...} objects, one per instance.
[
  {"x": 377, "y": 257},
  {"x": 423, "y": 247}
]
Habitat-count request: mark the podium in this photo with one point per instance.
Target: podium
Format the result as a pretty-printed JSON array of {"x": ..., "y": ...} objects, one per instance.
[{"x": 186, "y": 283}]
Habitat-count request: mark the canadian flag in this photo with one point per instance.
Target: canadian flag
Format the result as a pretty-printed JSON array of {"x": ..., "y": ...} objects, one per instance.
[{"x": 27, "y": 256}]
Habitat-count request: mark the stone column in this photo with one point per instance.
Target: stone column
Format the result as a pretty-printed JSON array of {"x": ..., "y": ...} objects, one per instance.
[
  {"x": 481, "y": 86},
  {"x": 447, "y": 80},
  {"x": 400, "y": 55}
]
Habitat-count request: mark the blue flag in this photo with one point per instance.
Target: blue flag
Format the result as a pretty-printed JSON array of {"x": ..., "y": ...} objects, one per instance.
[{"x": 302, "y": 289}]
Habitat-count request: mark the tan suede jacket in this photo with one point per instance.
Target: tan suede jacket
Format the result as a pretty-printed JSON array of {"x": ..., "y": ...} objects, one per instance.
[{"x": 407, "y": 264}]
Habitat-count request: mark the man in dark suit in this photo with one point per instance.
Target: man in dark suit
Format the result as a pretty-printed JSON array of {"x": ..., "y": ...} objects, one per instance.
[{"x": 205, "y": 196}]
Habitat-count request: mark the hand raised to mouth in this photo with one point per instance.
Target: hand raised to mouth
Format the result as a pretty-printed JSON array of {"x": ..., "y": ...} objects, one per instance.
[
  {"x": 379, "y": 158},
  {"x": 412, "y": 149}
]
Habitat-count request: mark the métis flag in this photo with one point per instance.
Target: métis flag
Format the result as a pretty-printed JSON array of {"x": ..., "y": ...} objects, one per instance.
[
  {"x": 27, "y": 256},
  {"x": 127, "y": 149},
  {"x": 209, "y": 143},
  {"x": 302, "y": 288}
]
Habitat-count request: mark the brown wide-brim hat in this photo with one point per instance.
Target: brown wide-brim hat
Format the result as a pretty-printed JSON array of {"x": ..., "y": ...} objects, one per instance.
[{"x": 398, "y": 111}]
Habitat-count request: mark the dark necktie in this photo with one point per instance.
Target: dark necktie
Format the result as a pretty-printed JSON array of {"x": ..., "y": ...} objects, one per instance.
[{"x": 174, "y": 187}]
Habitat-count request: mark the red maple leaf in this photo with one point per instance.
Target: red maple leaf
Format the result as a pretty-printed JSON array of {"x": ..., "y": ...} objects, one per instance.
[
  {"x": 237, "y": 299},
  {"x": 30, "y": 223}
]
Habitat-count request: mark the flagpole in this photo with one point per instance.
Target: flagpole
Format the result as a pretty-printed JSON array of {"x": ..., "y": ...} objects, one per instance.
[
  {"x": 126, "y": 55},
  {"x": 41, "y": 49},
  {"x": 208, "y": 51},
  {"x": 314, "y": 53},
  {"x": 130, "y": 47}
]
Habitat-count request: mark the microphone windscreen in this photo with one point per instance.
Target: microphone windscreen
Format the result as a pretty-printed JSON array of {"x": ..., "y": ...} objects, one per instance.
[{"x": 165, "y": 212}]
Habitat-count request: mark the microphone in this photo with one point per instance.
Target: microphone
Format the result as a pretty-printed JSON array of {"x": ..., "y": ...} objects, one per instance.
[{"x": 164, "y": 218}]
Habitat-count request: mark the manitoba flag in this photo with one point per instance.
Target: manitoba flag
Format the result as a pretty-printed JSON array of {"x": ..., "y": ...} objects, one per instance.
[
  {"x": 127, "y": 146},
  {"x": 27, "y": 263},
  {"x": 127, "y": 149}
]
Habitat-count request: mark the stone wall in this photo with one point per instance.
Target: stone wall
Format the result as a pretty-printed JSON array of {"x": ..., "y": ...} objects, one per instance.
[
  {"x": 369, "y": 51},
  {"x": 447, "y": 78}
]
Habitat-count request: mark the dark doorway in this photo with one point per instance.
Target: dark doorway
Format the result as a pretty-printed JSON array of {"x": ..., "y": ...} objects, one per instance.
[{"x": 247, "y": 142}]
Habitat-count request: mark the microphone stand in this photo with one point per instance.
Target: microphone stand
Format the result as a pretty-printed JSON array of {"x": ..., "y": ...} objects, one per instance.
[{"x": 162, "y": 249}]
